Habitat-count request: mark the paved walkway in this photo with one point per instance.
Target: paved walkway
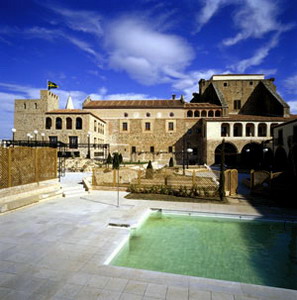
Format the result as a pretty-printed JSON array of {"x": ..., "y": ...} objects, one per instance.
[{"x": 56, "y": 249}]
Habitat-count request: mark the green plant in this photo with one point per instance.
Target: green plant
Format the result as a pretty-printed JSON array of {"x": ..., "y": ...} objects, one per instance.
[
  {"x": 109, "y": 159},
  {"x": 115, "y": 161},
  {"x": 149, "y": 165},
  {"x": 120, "y": 158}
]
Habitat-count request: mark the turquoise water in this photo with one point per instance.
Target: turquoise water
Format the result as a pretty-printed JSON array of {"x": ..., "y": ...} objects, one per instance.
[{"x": 256, "y": 252}]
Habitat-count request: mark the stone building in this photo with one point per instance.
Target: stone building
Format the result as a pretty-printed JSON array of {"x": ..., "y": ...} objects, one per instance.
[
  {"x": 242, "y": 109},
  {"x": 42, "y": 120}
]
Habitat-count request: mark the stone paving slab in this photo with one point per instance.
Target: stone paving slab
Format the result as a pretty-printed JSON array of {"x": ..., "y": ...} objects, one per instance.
[{"x": 56, "y": 250}]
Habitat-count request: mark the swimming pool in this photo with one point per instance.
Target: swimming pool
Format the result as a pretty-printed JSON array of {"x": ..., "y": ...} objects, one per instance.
[{"x": 250, "y": 251}]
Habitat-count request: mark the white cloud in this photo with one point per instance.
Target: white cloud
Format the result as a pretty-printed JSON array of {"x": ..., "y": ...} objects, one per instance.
[
  {"x": 84, "y": 21},
  {"x": 258, "y": 56},
  {"x": 253, "y": 18},
  {"x": 147, "y": 55},
  {"x": 293, "y": 106},
  {"x": 291, "y": 84}
]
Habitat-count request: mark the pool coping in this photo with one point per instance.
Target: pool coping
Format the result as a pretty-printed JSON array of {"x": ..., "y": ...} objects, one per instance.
[{"x": 223, "y": 286}]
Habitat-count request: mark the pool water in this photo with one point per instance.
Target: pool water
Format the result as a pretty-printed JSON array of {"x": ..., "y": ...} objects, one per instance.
[{"x": 256, "y": 252}]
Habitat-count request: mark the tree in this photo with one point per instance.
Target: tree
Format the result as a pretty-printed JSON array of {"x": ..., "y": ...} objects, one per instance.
[
  {"x": 149, "y": 174},
  {"x": 116, "y": 161},
  {"x": 222, "y": 173},
  {"x": 120, "y": 158},
  {"x": 171, "y": 164}
]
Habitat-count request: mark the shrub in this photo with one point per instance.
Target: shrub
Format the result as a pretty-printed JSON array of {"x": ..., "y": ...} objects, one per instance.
[{"x": 109, "y": 159}]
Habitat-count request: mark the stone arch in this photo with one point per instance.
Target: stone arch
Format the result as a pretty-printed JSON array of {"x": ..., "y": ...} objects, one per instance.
[
  {"x": 262, "y": 129},
  {"x": 250, "y": 129},
  {"x": 218, "y": 113},
  {"x": 78, "y": 123},
  {"x": 48, "y": 123},
  {"x": 58, "y": 123},
  {"x": 203, "y": 113},
  {"x": 237, "y": 129},
  {"x": 189, "y": 114},
  {"x": 252, "y": 155},
  {"x": 197, "y": 114},
  {"x": 230, "y": 154},
  {"x": 210, "y": 113},
  {"x": 280, "y": 159},
  {"x": 68, "y": 123}
]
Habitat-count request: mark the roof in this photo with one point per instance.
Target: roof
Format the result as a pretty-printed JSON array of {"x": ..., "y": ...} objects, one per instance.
[
  {"x": 220, "y": 95},
  {"x": 288, "y": 122},
  {"x": 251, "y": 118},
  {"x": 276, "y": 95},
  {"x": 105, "y": 104},
  {"x": 237, "y": 77},
  {"x": 73, "y": 112}
]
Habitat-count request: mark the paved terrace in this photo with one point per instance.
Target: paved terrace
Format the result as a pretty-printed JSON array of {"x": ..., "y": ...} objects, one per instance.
[{"x": 56, "y": 249}]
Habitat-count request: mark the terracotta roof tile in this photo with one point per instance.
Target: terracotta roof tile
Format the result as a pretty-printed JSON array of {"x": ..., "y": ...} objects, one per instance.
[{"x": 103, "y": 104}]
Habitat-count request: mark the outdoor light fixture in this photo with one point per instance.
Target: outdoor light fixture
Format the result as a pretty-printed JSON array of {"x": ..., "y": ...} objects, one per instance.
[
  {"x": 248, "y": 150},
  {"x": 13, "y": 132},
  {"x": 89, "y": 150},
  {"x": 265, "y": 150},
  {"x": 189, "y": 151}
]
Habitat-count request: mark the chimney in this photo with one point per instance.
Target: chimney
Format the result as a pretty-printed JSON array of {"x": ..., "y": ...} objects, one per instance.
[{"x": 173, "y": 96}]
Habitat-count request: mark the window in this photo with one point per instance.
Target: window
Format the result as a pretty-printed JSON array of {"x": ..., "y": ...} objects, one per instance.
[
  {"x": 218, "y": 113},
  {"x": 203, "y": 114},
  {"x": 48, "y": 123},
  {"x": 237, "y": 129},
  {"x": 171, "y": 114},
  {"x": 53, "y": 140},
  {"x": 225, "y": 129},
  {"x": 95, "y": 142},
  {"x": 210, "y": 113},
  {"x": 189, "y": 114},
  {"x": 152, "y": 149},
  {"x": 237, "y": 104},
  {"x": 225, "y": 84},
  {"x": 126, "y": 115},
  {"x": 35, "y": 105},
  {"x": 196, "y": 114},
  {"x": 262, "y": 129},
  {"x": 148, "y": 114},
  {"x": 124, "y": 126},
  {"x": 58, "y": 123},
  {"x": 251, "y": 82},
  {"x": 78, "y": 123},
  {"x": 147, "y": 126},
  {"x": 170, "y": 126},
  {"x": 68, "y": 123},
  {"x": 73, "y": 142},
  {"x": 133, "y": 149},
  {"x": 170, "y": 149},
  {"x": 25, "y": 106},
  {"x": 95, "y": 125},
  {"x": 249, "y": 129}
]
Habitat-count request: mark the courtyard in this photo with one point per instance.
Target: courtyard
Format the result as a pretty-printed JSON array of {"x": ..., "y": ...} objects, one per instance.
[{"x": 57, "y": 249}]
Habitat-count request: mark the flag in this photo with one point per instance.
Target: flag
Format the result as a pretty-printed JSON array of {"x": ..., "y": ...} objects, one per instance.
[{"x": 51, "y": 85}]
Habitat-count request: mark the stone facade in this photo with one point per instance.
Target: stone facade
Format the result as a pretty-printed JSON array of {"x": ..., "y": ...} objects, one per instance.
[{"x": 242, "y": 109}]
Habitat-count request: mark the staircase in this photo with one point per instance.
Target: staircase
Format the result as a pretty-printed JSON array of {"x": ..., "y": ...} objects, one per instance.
[{"x": 73, "y": 190}]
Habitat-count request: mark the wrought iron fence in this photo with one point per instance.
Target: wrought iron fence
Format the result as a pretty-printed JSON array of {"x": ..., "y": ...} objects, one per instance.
[{"x": 23, "y": 165}]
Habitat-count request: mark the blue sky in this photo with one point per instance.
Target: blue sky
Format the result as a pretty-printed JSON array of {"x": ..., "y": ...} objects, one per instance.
[{"x": 142, "y": 49}]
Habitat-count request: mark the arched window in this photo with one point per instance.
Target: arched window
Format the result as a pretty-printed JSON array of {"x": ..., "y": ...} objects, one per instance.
[
  {"x": 271, "y": 128},
  {"x": 197, "y": 114},
  {"x": 218, "y": 113},
  {"x": 210, "y": 113},
  {"x": 262, "y": 129},
  {"x": 250, "y": 129},
  {"x": 225, "y": 129},
  {"x": 25, "y": 106},
  {"x": 237, "y": 129},
  {"x": 68, "y": 123},
  {"x": 203, "y": 113},
  {"x": 78, "y": 123},
  {"x": 95, "y": 125},
  {"x": 35, "y": 105},
  {"x": 58, "y": 123},
  {"x": 189, "y": 114},
  {"x": 48, "y": 123}
]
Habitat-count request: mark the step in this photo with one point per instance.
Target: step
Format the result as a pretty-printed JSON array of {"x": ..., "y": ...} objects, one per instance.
[{"x": 18, "y": 203}]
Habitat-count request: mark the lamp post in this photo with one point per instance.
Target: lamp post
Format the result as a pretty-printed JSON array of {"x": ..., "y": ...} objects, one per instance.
[
  {"x": 35, "y": 133},
  {"x": 189, "y": 151},
  {"x": 28, "y": 136},
  {"x": 13, "y": 132},
  {"x": 42, "y": 137},
  {"x": 89, "y": 150}
]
